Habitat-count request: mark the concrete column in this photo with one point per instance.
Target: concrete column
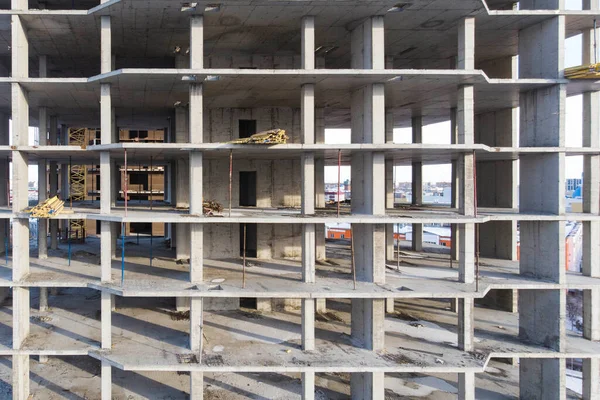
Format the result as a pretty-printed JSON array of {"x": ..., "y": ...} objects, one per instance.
[
  {"x": 308, "y": 324},
  {"x": 196, "y": 385},
  {"x": 4, "y": 184},
  {"x": 497, "y": 182},
  {"x": 43, "y": 299},
  {"x": 319, "y": 183},
  {"x": 591, "y": 204},
  {"x": 321, "y": 306},
  {"x": 182, "y": 177},
  {"x": 53, "y": 178},
  {"x": 389, "y": 204},
  {"x": 20, "y": 136},
  {"x": 42, "y": 185},
  {"x": 197, "y": 42},
  {"x": 106, "y": 318},
  {"x": 105, "y": 45},
  {"x": 466, "y": 386},
  {"x": 591, "y": 383},
  {"x": 454, "y": 248},
  {"x": 196, "y": 324},
  {"x": 368, "y": 197},
  {"x": 465, "y": 324},
  {"x": 542, "y": 123},
  {"x": 308, "y": 385},
  {"x": 390, "y": 306},
  {"x": 308, "y": 42},
  {"x": 320, "y": 241},
  {"x": 106, "y": 381},
  {"x": 417, "y": 184}
]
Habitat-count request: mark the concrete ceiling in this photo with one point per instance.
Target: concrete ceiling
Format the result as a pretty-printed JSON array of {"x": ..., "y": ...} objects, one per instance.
[
  {"x": 146, "y": 33},
  {"x": 153, "y": 95}
]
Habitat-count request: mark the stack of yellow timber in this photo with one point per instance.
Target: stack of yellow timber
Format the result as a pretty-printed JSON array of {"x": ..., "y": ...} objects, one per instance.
[
  {"x": 210, "y": 206},
  {"x": 591, "y": 71},
  {"x": 273, "y": 136},
  {"x": 49, "y": 208}
]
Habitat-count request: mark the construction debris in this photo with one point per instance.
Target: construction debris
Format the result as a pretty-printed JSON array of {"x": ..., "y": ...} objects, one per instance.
[
  {"x": 209, "y": 207},
  {"x": 591, "y": 71},
  {"x": 47, "y": 209},
  {"x": 273, "y": 136}
]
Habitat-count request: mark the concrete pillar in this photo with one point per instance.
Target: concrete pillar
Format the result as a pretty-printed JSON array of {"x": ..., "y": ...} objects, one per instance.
[
  {"x": 308, "y": 42},
  {"x": 53, "y": 178},
  {"x": 308, "y": 324},
  {"x": 42, "y": 184},
  {"x": 320, "y": 241},
  {"x": 542, "y": 255},
  {"x": 466, "y": 386},
  {"x": 182, "y": 178},
  {"x": 368, "y": 197},
  {"x": 591, "y": 204},
  {"x": 455, "y": 200},
  {"x": 197, "y": 42},
  {"x": 497, "y": 182},
  {"x": 105, "y": 45},
  {"x": 321, "y": 306},
  {"x": 4, "y": 184},
  {"x": 106, "y": 318},
  {"x": 465, "y": 324},
  {"x": 319, "y": 183},
  {"x": 308, "y": 385},
  {"x": 196, "y": 385},
  {"x": 389, "y": 204},
  {"x": 390, "y": 305},
  {"x": 43, "y": 299},
  {"x": 417, "y": 184},
  {"x": 106, "y": 380},
  {"x": 196, "y": 324}
]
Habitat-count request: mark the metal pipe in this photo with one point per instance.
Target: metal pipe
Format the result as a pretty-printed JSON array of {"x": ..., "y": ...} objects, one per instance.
[
  {"x": 339, "y": 179},
  {"x": 476, "y": 224},
  {"x": 151, "y": 186},
  {"x": 595, "y": 50},
  {"x": 69, "y": 244},
  {"x": 125, "y": 174},
  {"x": 244, "y": 263},
  {"x": 230, "y": 177},
  {"x": 122, "y": 253},
  {"x": 70, "y": 183},
  {"x": 352, "y": 254}
]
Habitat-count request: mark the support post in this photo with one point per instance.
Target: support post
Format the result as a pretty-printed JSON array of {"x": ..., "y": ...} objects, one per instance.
[
  {"x": 417, "y": 184},
  {"x": 542, "y": 255}
]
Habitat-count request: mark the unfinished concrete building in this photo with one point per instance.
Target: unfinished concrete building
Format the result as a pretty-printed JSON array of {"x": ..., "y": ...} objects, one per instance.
[{"x": 253, "y": 302}]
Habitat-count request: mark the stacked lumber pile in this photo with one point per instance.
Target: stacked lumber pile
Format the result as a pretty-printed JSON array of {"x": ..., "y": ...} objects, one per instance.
[
  {"x": 591, "y": 71},
  {"x": 273, "y": 136},
  {"x": 48, "y": 208},
  {"x": 210, "y": 207}
]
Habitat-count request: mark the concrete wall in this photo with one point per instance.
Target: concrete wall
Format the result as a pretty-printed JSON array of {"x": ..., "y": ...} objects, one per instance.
[
  {"x": 274, "y": 241},
  {"x": 221, "y": 124}
]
